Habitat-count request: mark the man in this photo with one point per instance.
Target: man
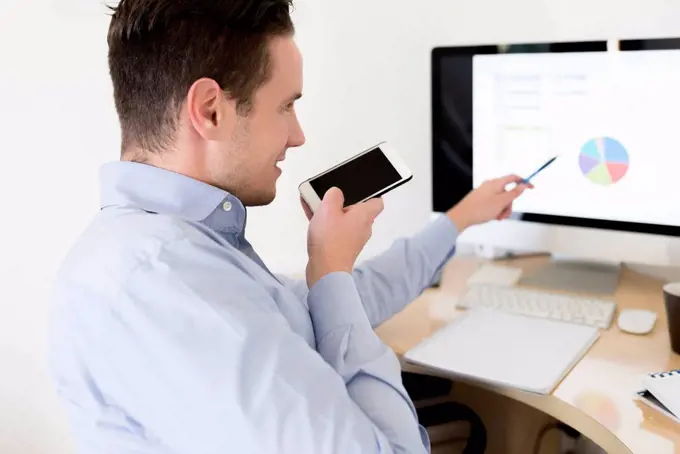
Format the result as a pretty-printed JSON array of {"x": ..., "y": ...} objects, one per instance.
[{"x": 170, "y": 335}]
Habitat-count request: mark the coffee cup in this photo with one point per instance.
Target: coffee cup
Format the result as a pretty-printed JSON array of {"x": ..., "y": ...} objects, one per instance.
[{"x": 671, "y": 297}]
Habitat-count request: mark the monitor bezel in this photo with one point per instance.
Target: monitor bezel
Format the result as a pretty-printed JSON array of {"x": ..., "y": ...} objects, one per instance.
[{"x": 555, "y": 47}]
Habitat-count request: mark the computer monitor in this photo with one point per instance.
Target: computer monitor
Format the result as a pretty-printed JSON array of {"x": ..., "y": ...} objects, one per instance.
[{"x": 606, "y": 109}]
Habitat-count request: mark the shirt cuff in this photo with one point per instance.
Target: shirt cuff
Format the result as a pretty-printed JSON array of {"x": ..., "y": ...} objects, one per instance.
[
  {"x": 334, "y": 302},
  {"x": 438, "y": 240}
]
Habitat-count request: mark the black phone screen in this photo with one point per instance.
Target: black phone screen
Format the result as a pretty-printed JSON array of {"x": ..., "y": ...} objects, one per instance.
[{"x": 359, "y": 178}]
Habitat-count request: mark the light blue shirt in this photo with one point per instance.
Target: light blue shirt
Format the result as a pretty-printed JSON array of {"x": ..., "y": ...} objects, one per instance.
[{"x": 169, "y": 335}]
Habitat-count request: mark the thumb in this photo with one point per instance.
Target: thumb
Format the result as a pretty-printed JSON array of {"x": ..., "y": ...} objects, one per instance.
[{"x": 333, "y": 199}]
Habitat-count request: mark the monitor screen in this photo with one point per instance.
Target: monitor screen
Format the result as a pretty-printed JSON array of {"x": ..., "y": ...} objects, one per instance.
[{"x": 606, "y": 110}]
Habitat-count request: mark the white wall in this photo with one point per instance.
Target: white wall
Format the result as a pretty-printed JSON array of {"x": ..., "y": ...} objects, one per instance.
[
  {"x": 56, "y": 127},
  {"x": 367, "y": 71},
  {"x": 368, "y": 79}
]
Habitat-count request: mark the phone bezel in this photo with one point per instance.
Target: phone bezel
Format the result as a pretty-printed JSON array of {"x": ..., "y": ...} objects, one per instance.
[{"x": 313, "y": 199}]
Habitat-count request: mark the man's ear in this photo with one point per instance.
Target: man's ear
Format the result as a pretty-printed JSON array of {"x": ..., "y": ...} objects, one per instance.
[{"x": 208, "y": 111}]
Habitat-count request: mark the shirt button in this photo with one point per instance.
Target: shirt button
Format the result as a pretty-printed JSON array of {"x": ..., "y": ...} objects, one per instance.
[{"x": 226, "y": 206}]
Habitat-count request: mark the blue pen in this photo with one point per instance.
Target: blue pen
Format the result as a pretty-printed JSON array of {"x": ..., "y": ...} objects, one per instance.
[{"x": 528, "y": 179}]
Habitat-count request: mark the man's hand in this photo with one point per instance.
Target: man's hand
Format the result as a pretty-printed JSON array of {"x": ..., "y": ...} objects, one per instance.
[
  {"x": 488, "y": 202},
  {"x": 337, "y": 235}
]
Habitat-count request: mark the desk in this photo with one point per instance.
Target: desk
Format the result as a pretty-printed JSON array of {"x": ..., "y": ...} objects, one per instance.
[{"x": 596, "y": 397}]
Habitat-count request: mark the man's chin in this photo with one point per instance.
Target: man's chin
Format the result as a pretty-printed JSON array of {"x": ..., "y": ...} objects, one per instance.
[{"x": 257, "y": 200}]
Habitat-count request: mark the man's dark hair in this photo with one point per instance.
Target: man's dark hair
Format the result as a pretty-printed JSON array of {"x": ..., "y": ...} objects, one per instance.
[{"x": 159, "y": 48}]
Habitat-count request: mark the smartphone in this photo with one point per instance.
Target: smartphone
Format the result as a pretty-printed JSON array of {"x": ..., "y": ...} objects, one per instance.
[{"x": 369, "y": 174}]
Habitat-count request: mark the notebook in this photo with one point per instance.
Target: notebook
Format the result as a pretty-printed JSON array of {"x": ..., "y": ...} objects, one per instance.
[
  {"x": 505, "y": 349},
  {"x": 662, "y": 392}
]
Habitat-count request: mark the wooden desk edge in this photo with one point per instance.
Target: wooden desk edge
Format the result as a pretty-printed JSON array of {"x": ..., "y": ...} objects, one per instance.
[
  {"x": 548, "y": 404},
  {"x": 555, "y": 406}
]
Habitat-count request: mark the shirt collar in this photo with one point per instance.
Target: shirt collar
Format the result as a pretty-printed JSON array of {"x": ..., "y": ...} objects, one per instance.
[{"x": 156, "y": 190}]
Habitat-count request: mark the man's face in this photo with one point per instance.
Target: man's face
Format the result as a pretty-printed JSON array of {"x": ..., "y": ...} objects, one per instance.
[{"x": 259, "y": 140}]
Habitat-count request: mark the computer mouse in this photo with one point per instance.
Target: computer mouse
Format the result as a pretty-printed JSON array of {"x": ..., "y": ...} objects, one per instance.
[{"x": 636, "y": 321}]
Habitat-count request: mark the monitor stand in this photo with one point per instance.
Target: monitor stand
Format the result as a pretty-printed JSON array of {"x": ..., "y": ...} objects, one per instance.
[{"x": 575, "y": 276}]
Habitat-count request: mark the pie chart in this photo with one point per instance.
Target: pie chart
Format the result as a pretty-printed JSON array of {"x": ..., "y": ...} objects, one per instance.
[{"x": 604, "y": 161}]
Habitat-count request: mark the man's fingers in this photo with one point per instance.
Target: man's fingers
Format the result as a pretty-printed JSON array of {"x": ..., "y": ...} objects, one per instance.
[
  {"x": 374, "y": 207},
  {"x": 369, "y": 209},
  {"x": 506, "y": 213},
  {"x": 502, "y": 182},
  {"x": 511, "y": 195}
]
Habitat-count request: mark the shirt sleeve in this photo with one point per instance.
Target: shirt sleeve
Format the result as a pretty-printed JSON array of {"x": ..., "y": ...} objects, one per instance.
[
  {"x": 200, "y": 357},
  {"x": 393, "y": 279},
  {"x": 297, "y": 286}
]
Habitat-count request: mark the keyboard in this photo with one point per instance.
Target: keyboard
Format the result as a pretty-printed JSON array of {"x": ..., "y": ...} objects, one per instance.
[{"x": 580, "y": 310}]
